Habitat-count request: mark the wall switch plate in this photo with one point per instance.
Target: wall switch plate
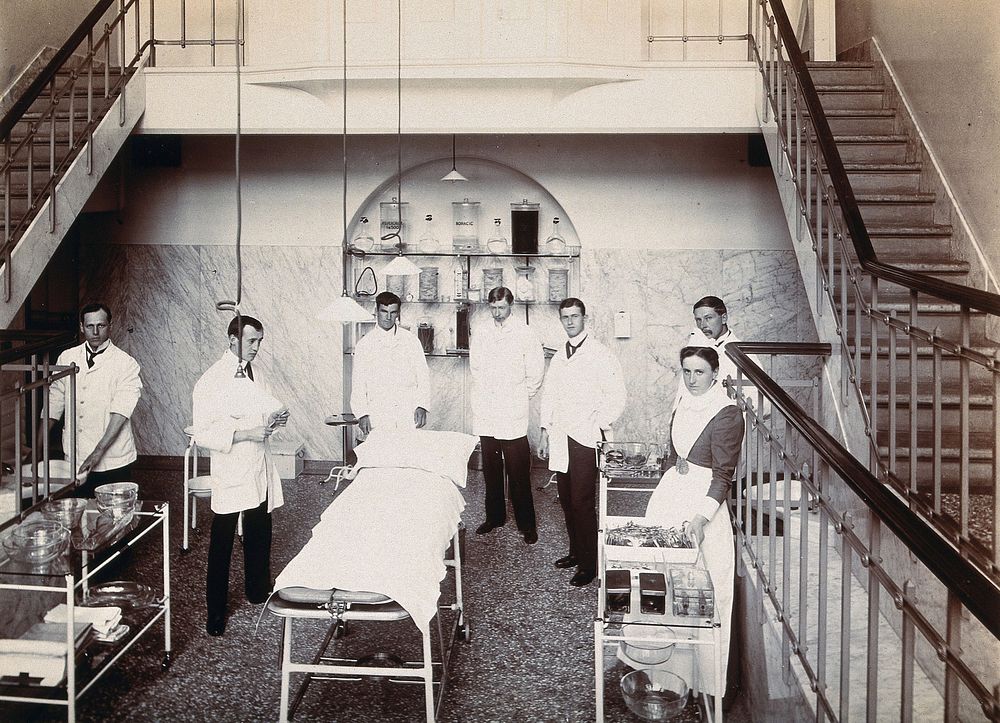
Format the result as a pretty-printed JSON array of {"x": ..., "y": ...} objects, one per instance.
[{"x": 623, "y": 325}]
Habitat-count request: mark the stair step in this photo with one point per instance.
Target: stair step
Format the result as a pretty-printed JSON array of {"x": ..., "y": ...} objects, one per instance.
[
  {"x": 861, "y": 149},
  {"x": 830, "y": 72},
  {"x": 928, "y": 241},
  {"x": 858, "y": 120},
  {"x": 839, "y": 97},
  {"x": 902, "y": 208},
  {"x": 883, "y": 177},
  {"x": 930, "y": 315}
]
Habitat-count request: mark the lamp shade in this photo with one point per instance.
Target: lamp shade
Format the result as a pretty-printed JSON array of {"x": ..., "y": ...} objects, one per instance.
[
  {"x": 344, "y": 309},
  {"x": 402, "y": 266},
  {"x": 454, "y": 175}
]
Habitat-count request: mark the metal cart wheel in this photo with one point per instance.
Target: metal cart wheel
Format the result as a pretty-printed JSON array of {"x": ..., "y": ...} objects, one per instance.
[
  {"x": 340, "y": 630},
  {"x": 465, "y": 633},
  {"x": 165, "y": 663}
]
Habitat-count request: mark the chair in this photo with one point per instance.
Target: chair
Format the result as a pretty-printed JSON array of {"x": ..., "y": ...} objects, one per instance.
[{"x": 195, "y": 486}]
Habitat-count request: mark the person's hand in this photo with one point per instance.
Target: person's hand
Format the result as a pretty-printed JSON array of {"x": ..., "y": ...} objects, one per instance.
[
  {"x": 278, "y": 419},
  {"x": 255, "y": 434},
  {"x": 420, "y": 417},
  {"x": 696, "y": 529},
  {"x": 543, "y": 445},
  {"x": 365, "y": 426},
  {"x": 88, "y": 464}
]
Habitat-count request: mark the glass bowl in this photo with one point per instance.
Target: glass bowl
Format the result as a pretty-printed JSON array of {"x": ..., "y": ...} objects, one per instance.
[
  {"x": 647, "y": 653},
  {"x": 66, "y": 512},
  {"x": 656, "y": 698},
  {"x": 626, "y": 455},
  {"x": 37, "y": 542},
  {"x": 118, "y": 498}
]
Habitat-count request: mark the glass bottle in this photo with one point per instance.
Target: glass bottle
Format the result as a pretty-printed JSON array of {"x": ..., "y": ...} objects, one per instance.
[
  {"x": 427, "y": 243},
  {"x": 364, "y": 241},
  {"x": 497, "y": 244},
  {"x": 555, "y": 243}
]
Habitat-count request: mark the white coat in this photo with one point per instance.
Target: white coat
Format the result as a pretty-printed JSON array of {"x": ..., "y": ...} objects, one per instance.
[
  {"x": 726, "y": 366},
  {"x": 112, "y": 386},
  {"x": 507, "y": 365},
  {"x": 390, "y": 378},
  {"x": 582, "y": 396},
  {"x": 244, "y": 472}
]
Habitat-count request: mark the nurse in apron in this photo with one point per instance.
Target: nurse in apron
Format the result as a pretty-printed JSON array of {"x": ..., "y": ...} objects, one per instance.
[{"x": 706, "y": 432}]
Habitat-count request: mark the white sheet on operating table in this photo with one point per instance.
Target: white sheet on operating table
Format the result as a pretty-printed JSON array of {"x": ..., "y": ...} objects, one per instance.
[{"x": 388, "y": 533}]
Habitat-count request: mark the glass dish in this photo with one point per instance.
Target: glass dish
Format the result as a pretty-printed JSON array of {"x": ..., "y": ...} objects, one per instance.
[
  {"x": 646, "y": 653},
  {"x": 67, "y": 512},
  {"x": 118, "y": 498},
  {"x": 120, "y": 593},
  {"x": 625, "y": 455},
  {"x": 661, "y": 696},
  {"x": 37, "y": 542}
]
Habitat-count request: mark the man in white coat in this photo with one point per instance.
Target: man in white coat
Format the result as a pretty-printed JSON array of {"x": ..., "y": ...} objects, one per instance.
[
  {"x": 507, "y": 365},
  {"x": 390, "y": 384},
  {"x": 712, "y": 319},
  {"x": 583, "y": 395},
  {"x": 107, "y": 390},
  {"x": 234, "y": 415}
]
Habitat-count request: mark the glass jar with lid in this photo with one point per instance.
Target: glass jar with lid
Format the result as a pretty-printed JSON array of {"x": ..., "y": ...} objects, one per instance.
[
  {"x": 497, "y": 243},
  {"x": 524, "y": 227},
  {"x": 555, "y": 244},
  {"x": 466, "y": 219},
  {"x": 524, "y": 285},
  {"x": 393, "y": 224}
]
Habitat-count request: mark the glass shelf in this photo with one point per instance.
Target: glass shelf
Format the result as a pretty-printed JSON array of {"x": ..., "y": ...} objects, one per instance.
[
  {"x": 574, "y": 254},
  {"x": 366, "y": 298},
  {"x": 454, "y": 354}
]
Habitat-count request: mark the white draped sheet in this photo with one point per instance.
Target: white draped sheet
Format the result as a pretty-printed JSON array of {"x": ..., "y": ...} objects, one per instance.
[{"x": 386, "y": 533}]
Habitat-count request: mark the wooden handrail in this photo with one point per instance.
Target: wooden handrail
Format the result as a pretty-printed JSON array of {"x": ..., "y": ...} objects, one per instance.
[
  {"x": 33, "y": 91},
  {"x": 37, "y": 342},
  {"x": 946, "y": 290},
  {"x": 977, "y": 591}
]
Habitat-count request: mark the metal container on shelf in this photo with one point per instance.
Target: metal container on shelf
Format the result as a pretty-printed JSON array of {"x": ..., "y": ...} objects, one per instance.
[
  {"x": 393, "y": 222},
  {"x": 425, "y": 333},
  {"x": 524, "y": 227},
  {"x": 428, "y": 283},
  {"x": 524, "y": 287},
  {"x": 465, "y": 214}
]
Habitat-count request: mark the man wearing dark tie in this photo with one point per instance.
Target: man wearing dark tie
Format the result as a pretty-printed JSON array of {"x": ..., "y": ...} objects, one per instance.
[
  {"x": 107, "y": 390},
  {"x": 234, "y": 416},
  {"x": 583, "y": 395}
]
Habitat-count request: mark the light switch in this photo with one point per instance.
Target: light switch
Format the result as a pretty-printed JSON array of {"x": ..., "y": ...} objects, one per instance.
[{"x": 623, "y": 325}]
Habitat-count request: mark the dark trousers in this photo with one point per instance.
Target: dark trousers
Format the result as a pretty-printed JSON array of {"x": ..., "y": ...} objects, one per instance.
[
  {"x": 95, "y": 479},
  {"x": 578, "y": 497},
  {"x": 515, "y": 455},
  {"x": 256, "y": 558}
]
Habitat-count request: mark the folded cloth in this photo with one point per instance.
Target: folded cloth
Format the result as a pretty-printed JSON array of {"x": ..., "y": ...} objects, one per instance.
[
  {"x": 35, "y": 658},
  {"x": 104, "y": 619}
]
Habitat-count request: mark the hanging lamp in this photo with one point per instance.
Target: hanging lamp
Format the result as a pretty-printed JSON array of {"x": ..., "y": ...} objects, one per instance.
[
  {"x": 453, "y": 175},
  {"x": 344, "y": 308},
  {"x": 399, "y": 266}
]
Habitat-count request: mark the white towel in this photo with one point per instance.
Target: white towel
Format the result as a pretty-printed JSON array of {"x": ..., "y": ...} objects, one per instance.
[
  {"x": 104, "y": 619},
  {"x": 37, "y": 658}
]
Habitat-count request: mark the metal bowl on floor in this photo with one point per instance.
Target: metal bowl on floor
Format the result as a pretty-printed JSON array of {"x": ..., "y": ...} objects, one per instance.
[
  {"x": 36, "y": 542},
  {"x": 654, "y": 695}
]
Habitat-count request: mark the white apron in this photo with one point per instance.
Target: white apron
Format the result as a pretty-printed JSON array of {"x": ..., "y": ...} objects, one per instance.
[{"x": 677, "y": 499}]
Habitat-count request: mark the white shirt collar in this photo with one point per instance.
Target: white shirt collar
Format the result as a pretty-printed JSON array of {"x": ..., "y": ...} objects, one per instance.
[{"x": 578, "y": 339}]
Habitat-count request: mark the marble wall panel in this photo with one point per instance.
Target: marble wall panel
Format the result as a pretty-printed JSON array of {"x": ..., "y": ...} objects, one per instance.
[{"x": 169, "y": 293}]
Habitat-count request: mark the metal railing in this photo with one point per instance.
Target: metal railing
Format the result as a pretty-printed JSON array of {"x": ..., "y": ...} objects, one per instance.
[
  {"x": 70, "y": 97},
  {"x": 28, "y": 377},
  {"x": 909, "y": 622},
  {"x": 909, "y": 399}
]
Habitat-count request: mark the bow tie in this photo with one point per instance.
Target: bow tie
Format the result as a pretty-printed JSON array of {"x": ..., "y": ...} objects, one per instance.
[{"x": 92, "y": 354}]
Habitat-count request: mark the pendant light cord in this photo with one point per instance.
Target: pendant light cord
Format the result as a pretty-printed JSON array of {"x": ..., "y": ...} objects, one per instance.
[
  {"x": 344, "y": 208},
  {"x": 399, "y": 130},
  {"x": 228, "y": 305}
]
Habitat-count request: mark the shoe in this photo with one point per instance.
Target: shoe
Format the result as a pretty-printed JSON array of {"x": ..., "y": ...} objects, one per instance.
[
  {"x": 564, "y": 562},
  {"x": 530, "y": 536},
  {"x": 582, "y": 577},
  {"x": 487, "y": 527},
  {"x": 215, "y": 626}
]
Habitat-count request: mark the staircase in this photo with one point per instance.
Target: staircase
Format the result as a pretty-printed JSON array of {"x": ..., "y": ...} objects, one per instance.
[{"x": 909, "y": 227}]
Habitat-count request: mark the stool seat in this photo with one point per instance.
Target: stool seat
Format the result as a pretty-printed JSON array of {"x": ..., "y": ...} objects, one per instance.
[
  {"x": 312, "y": 595},
  {"x": 201, "y": 485}
]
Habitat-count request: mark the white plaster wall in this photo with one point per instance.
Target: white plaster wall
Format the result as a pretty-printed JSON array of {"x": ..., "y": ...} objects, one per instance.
[
  {"x": 947, "y": 56},
  {"x": 27, "y": 27},
  {"x": 649, "y": 191}
]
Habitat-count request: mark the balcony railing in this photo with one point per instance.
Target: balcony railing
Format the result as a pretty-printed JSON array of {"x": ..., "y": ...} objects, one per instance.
[
  {"x": 845, "y": 258},
  {"x": 880, "y": 616}
]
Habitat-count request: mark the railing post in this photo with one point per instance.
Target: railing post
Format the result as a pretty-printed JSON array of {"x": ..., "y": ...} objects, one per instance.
[
  {"x": 874, "y": 552},
  {"x": 954, "y": 638},
  {"x": 891, "y": 406},
  {"x": 964, "y": 425},
  {"x": 914, "y": 458},
  {"x": 907, "y": 653},
  {"x": 873, "y": 314},
  {"x": 846, "y": 553},
  {"x": 996, "y": 457},
  {"x": 937, "y": 374}
]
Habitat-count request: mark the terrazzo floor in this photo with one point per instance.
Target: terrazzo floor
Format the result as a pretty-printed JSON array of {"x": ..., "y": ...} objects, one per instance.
[{"x": 530, "y": 657}]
